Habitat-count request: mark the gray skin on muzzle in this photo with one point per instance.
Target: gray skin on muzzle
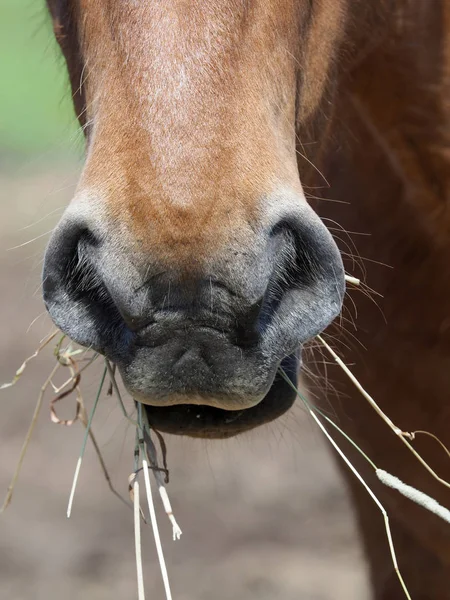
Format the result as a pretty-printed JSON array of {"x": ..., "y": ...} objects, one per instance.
[{"x": 201, "y": 352}]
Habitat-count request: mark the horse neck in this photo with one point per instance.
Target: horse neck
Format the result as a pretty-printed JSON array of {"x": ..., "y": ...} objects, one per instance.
[
  {"x": 400, "y": 84},
  {"x": 387, "y": 162}
]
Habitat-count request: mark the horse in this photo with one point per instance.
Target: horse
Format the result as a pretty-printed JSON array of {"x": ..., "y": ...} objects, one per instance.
[{"x": 226, "y": 141}]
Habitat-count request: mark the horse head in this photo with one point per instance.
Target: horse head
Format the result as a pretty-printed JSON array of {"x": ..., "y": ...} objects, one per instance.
[{"x": 189, "y": 255}]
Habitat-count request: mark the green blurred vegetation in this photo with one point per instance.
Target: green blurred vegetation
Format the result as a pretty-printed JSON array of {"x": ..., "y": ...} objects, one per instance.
[{"x": 36, "y": 113}]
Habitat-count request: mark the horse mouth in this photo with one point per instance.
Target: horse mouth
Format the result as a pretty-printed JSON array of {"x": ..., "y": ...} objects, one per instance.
[{"x": 202, "y": 421}]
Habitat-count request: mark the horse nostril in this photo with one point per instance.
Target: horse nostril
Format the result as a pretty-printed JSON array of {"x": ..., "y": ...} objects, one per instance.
[
  {"x": 306, "y": 285},
  {"x": 69, "y": 266},
  {"x": 296, "y": 262},
  {"x": 82, "y": 279},
  {"x": 74, "y": 292}
]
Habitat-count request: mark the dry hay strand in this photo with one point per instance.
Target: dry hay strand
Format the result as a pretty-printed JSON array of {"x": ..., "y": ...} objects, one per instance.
[
  {"x": 18, "y": 374},
  {"x": 384, "y": 477},
  {"x": 402, "y": 435},
  {"x": 313, "y": 413},
  {"x": 145, "y": 453},
  {"x": 64, "y": 358},
  {"x": 72, "y": 359}
]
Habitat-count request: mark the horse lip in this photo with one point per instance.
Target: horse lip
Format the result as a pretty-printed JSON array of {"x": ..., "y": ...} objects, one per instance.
[
  {"x": 203, "y": 421},
  {"x": 228, "y": 404}
]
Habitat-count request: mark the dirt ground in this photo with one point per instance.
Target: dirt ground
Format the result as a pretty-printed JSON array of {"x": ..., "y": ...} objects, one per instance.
[{"x": 264, "y": 516}]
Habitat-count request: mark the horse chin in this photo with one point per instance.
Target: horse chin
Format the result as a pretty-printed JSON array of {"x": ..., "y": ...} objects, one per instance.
[{"x": 203, "y": 421}]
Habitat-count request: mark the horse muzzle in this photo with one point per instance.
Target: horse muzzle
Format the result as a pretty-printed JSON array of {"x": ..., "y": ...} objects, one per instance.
[{"x": 199, "y": 344}]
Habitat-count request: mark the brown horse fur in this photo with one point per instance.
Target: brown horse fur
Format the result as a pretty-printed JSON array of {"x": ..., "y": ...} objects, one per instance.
[
  {"x": 373, "y": 114},
  {"x": 387, "y": 157}
]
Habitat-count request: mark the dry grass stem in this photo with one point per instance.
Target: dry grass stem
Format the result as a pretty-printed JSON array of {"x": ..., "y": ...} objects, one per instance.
[
  {"x": 67, "y": 360},
  {"x": 312, "y": 412},
  {"x": 84, "y": 421},
  {"x": 137, "y": 540},
  {"x": 154, "y": 522},
  {"x": 157, "y": 472},
  {"x": 75, "y": 381},
  {"x": 111, "y": 372},
  {"x": 23, "y": 451},
  {"x": 352, "y": 280},
  {"x": 74, "y": 487},
  {"x": 414, "y": 494},
  {"x": 140, "y": 449},
  {"x": 131, "y": 479},
  {"x": 386, "y": 478},
  {"x": 412, "y": 436},
  {"x": 398, "y": 432},
  {"x": 59, "y": 389},
  {"x": 372, "y": 495},
  {"x": 176, "y": 531},
  {"x": 152, "y": 457},
  {"x": 64, "y": 359},
  {"x": 22, "y": 368},
  {"x": 83, "y": 446}
]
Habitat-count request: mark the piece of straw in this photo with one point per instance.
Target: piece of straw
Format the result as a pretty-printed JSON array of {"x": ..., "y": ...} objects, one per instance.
[
  {"x": 412, "y": 436},
  {"x": 137, "y": 540},
  {"x": 357, "y": 475},
  {"x": 414, "y": 494},
  {"x": 327, "y": 419},
  {"x": 151, "y": 506},
  {"x": 176, "y": 531},
  {"x": 159, "y": 550},
  {"x": 84, "y": 421},
  {"x": 23, "y": 451},
  {"x": 83, "y": 446},
  {"x": 23, "y": 366},
  {"x": 402, "y": 435},
  {"x": 153, "y": 459},
  {"x": 118, "y": 394},
  {"x": 59, "y": 389},
  {"x": 352, "y": 280},
  {"x": 374, "y": 498}
]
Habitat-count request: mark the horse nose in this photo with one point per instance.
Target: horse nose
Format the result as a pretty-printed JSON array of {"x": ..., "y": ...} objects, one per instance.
[
  {"x": 102, "y": 299},
  {"x": 214, "y": 332}
]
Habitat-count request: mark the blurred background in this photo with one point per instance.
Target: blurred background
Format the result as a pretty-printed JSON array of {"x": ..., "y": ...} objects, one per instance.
[{"x": 264, "y": 516}]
